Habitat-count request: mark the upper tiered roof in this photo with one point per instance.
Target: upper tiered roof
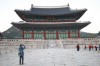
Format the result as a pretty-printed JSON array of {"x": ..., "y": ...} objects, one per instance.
[{"x": 53, "y": 11}]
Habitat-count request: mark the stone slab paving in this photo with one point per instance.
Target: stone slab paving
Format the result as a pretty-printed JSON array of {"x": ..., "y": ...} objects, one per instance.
[{"x": 53, "y": 57}]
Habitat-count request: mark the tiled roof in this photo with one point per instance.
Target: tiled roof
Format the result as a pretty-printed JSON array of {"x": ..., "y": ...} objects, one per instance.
[
  {"x": 49, "y": 25},
  {"x": 50, "y": 11}
]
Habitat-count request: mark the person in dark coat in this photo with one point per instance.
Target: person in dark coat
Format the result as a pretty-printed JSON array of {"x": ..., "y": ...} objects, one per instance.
[
  {"x": 21, "y": 54},
  {"x": 78, "y": 47},
  {"x": 85, "y": 47},
  {"x": 90, "y": 47},
  {"x": 99, "y": 46},
  {"x": 95, "y": 48}
]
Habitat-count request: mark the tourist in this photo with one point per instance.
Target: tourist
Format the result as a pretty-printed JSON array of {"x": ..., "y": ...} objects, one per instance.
[
  {"x": 85, "y": 47},
  {"x": 89, "y": 47},
  {"x": 21, "y": 54},
  {"x": 78, "y": 47},
  {"x": 95, "y": 48},
  {"x": 99, "y": 46},
  {"x": 92, "y": 46}
]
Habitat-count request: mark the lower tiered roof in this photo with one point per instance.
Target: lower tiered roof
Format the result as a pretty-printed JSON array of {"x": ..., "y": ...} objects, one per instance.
[{"x": 50, "y": 25}]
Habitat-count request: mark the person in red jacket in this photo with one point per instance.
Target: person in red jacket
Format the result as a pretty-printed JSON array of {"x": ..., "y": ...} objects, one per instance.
[
  {"x": 78, "y": 47},
  {"x": 89, "y": 47},
  {"x": 95, "y": 48}
]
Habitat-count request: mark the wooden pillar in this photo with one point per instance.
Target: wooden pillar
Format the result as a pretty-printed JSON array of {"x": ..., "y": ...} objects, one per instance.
[
  {"x": 68, "y": 33},
  {"x": 57, "y": 35},
  {"x": 22, "y": 34},
  {"x": 32, "y": 34},
  {"x": 78, "y": 33},
  {"x": 44, "y": 34}
]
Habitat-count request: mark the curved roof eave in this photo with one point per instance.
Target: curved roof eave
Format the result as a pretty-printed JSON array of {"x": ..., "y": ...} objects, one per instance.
[
  {"x": 50, "y": 11},
  {"x": 79, "y": 25},
  {"x": 79, "y": 22}
]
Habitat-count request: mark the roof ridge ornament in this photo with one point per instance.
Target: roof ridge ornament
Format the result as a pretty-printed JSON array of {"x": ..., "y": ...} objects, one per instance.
[
  {"x": 68, "y": 5},
  {"x": 31, "y": 6}
]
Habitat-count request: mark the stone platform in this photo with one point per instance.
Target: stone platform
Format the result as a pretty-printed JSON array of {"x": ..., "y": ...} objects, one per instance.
[{"x": 53, "y": 57}]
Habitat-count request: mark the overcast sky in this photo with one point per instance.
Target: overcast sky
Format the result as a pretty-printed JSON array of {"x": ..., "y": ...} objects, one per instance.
[{"x": 7, "y": 14}]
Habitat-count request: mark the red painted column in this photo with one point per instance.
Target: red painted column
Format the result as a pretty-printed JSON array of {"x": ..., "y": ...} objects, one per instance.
[
  {"x": 68, "y": 33},
  {"x": 32, "y": 34},
  {"x": 23, "y": 34},
  {"x": 57, "y": 35},
  {"x": 44, "y": 34},
  {"x": 78, "y": 33}
]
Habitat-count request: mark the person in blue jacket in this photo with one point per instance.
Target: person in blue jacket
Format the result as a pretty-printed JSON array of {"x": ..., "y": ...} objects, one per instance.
[{"x": 21, "y": 54}]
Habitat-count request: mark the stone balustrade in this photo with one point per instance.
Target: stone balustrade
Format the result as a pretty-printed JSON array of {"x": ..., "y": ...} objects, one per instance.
[{"x": 11, "y": 45}]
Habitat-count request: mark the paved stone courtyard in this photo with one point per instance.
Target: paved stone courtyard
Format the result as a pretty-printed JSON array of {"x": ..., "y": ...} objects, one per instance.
[{"x": 53, "y": 57}]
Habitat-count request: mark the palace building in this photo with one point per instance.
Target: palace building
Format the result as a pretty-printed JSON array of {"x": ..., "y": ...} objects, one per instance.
[{"x": 50, "y": 23}]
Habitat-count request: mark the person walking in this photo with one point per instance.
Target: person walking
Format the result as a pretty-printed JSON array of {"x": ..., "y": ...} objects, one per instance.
[
  {"x": 21, "y": 54},
  {"x": 95, "y": 48},
  {"x": 99, "y": 46},
  {"x": 78, "y": 47},
  {"x": 89, "y": 47},
  {"x": 92, "y": 46},
  {"x": 85, "y": 47}
]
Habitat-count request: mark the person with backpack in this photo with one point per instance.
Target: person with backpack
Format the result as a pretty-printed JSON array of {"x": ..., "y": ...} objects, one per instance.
[{"x": 21, "y": 54}]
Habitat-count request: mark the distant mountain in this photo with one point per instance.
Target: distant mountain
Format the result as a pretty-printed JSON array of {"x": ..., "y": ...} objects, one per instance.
[
  {"x": 13, "y": 32},
  {"x": 88, "y": 35}
]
